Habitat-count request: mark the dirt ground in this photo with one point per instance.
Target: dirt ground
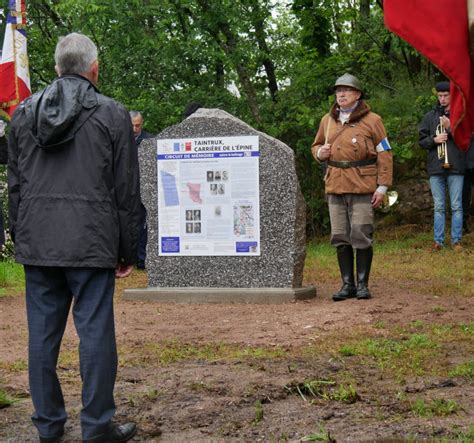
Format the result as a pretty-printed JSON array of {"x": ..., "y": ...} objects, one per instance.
[{"x": 251, "y": 399}]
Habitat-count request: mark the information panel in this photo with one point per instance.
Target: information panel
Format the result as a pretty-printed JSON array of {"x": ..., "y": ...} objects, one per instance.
[{"x": 208, "y": 196}]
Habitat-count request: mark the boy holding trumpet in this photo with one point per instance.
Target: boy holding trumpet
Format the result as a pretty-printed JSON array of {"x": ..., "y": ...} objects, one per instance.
[{"x": 445, "y": 166}]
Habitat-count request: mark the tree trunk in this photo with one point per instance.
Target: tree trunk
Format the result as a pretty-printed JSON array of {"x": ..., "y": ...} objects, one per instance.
[
  {"x": 259, "y": 24},
  {"x": 219, "y": 25},
  {"x": 364, "y": 8}
]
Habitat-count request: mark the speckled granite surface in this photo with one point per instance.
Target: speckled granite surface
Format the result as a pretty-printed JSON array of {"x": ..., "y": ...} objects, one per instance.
[{"x": 282, "y": 215}]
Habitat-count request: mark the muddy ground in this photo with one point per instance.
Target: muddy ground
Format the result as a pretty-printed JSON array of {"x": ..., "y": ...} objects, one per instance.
[{"x": 254, "y": 398}]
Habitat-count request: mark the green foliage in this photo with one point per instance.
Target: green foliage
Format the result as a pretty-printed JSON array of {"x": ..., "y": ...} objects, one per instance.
[
  {"x": 272, "y": 64},
  {"x": 169, "y": 352},
  {"x": 11, "y": 278},
  {"x": 324, "y": 389},
  {"x": 436, "y": 407},
  {"x": 321, "y": 435},
  {"x": 463, "y": 437},
  {"x": 258, "y": 412},
  {"x": 463, "y": 370},
  {"x": 5, "y": 399}
]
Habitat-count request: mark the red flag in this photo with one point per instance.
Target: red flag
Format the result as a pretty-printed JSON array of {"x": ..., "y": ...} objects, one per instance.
[
  {"x": 439, "y": 30},
  {"x": 14, "y": 73}
]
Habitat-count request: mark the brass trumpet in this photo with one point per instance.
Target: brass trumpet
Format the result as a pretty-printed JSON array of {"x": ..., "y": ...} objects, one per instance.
[{"x": 442, "y": 147}]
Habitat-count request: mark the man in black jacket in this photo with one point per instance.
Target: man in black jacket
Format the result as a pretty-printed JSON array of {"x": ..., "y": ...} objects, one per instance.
[
  {"x": 140, "y": 134},
  {"x": 445, "y": 165},
  {"x": 74, "y": 210}
]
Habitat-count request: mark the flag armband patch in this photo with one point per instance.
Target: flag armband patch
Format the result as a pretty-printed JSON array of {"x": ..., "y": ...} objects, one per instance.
[{"x": 384, "y": 145}]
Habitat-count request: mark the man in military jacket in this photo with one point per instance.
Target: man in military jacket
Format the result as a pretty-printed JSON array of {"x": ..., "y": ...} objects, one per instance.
[{"x": 352, "y": 141}]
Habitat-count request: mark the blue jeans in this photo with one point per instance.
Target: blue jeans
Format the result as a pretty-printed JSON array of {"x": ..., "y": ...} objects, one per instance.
[
  {"x": 50, "y": 291},
  {"x": 438, "y": 185}
]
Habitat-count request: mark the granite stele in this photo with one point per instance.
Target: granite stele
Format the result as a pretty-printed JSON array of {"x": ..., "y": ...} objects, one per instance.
[{"x": 274, "y": 274}]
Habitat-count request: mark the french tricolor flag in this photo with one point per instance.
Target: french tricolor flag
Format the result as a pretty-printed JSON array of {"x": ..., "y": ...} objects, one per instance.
[{"x": 14, "y": 73}]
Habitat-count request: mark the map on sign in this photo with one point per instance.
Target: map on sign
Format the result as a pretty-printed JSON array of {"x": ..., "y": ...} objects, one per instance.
[
  {"x": 170, "y": 191},
  {"x": 194, "y": 192}
]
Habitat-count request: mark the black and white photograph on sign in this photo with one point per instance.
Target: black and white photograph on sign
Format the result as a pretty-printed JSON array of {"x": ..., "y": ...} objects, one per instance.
[
  {"x": 210, "y": 176},
  {"x": 225, "y": 175},
  {"x": 189, "y": 214},
  {"x": 197, "y": 214},
  {"x": 217, "y": 175},
  {"x": 221, "y": 189},
  {"x": 197, "y": 228},
  {"x": 189, "y": 228},
  {"x": 213, "y": 188}
]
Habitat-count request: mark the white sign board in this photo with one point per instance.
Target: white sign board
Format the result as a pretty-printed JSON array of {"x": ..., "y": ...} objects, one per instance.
[{"x": 208, "y": 196}]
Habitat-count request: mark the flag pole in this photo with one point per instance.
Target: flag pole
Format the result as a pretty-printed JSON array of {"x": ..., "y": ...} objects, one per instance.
[{"x": 470, "y": 17}]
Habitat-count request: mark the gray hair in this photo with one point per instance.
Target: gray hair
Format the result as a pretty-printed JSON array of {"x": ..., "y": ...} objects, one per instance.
[
  {"x": 134, "y": 114},
  {"x": 75, "y": 54}
]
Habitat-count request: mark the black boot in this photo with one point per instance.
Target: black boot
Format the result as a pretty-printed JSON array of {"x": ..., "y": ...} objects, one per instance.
[
  {"x": 363, "y": 264},
  {"x": 345, "y": 258}
]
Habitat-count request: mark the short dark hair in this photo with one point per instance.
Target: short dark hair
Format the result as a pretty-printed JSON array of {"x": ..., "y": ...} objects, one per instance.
[{"x": 191, "y": 108}]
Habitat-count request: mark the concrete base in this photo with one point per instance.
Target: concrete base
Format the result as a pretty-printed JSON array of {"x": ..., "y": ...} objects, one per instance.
[{"x": 220, "y": 295}]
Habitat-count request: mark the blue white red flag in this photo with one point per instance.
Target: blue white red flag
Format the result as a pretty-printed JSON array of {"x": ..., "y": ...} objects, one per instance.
[{"x": 14, "y": 72}]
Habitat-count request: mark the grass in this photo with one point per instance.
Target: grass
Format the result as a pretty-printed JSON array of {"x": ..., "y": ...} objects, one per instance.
[
  {"x": 465, "y": 370},
  {"x": 5, "y": 399},
  {"x": 324, "y": 389},
  {"x": 402, "y": 254},
  {"x": 321, "y": 435},
  {"x": 436, "y": 407},
  {"x": 12, "y": 278},
  {"x": 462, "y": 437},
  {"x": 168, "y": 352},
  {"x": 258, "y": 412},
  {"x": 15, "y": 366},
  {"x": 415, "y": 350}
]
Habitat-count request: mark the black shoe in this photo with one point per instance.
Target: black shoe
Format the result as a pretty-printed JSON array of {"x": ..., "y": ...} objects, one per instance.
[
  {"x": 347, "y": 291},
  {"x": 141, "y": 265},
  {"x": 116, "y": 433},
  {"x": 56, "y": 439},
  {"x": 363, "y": 292}
]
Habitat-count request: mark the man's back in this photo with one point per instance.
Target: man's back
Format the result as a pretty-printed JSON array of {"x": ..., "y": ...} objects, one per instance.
[{"x": 73, "y": 176}]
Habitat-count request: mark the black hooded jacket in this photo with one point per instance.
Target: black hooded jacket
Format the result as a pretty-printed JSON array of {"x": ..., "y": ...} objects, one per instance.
[
  {"x": 427, "y": 132},
  {"x": 73, "y": 178}
]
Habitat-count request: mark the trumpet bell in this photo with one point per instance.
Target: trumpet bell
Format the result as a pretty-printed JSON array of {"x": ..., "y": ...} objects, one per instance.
[{"x": 389, "y": 199}]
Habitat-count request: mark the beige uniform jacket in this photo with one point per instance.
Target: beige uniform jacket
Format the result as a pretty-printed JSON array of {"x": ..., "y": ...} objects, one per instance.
[{"x": 356, "y": 140}]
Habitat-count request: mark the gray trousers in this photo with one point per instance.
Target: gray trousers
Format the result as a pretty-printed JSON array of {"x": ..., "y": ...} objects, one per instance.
[
  {"x": 352, "y": 220},
  {"x": 49, "y": 294}
]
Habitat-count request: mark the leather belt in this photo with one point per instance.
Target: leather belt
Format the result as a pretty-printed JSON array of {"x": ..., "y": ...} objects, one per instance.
[{"x": 354, "y": 164}]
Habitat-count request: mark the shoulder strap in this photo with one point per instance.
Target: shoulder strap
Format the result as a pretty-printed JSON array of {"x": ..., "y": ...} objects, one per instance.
[{"x": 338, "y": 134}]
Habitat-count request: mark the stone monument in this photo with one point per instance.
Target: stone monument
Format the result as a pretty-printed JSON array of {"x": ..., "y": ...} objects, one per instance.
[{"x": 275, "y": 275}]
